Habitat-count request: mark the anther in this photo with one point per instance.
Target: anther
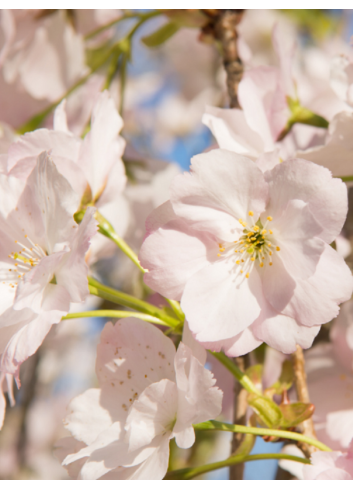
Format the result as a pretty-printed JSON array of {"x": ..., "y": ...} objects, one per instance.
[
  {"x": 247, "y": 275},
  {"x": 261, "y": 264},
  {"x": 251, "y": 213},
  {"x": 269, "y": 218},
  {"x": 278, "y": 248}
]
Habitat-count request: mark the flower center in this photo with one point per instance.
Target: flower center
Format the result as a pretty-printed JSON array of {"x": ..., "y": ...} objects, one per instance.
[
  {"x": 24, "y": 260},
  {"x": 255, "y": 245}
]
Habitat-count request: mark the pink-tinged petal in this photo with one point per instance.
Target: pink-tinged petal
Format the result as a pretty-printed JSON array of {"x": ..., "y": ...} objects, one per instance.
[
  {"x": 198, "y": 399},
  {"x": 102, "y": 147},
  {"x": 285, "y": 49},
  {"x": 114, "y": 185},
  {"x": 240, "y": 344},
  {"x": 197, "y": 349},
  {"x": 152, "y": 414},
  {"x": 231, "y": 131},
  {"x": 278, "y": 285},
  {"x": 60, "y": 118},
  {"x": 73, "y": 270},
  {"x": 282, "y": 332},
  {"x": 339, "y": 425},
  {"x": 295, "y": 232},
  {"x": 63, "y": 147},
  {"x": 40, "y": 69},
  {"x": 56, "y": 200},
  {"x": 329, "y": 466},
  {"x": 221, "y": 189},
  {"x": 8, "y": 28},
  {"x": 63, "y": 448},
  {"x": 131, "y": 356},
  {"x": 87, "y": 418},
  {"x": 106, "y": 453},
  {"x": 11, "y": 191},
  {"x": 155, "y": 466},
  {"x": 254, "y": 110},
  {"x": 302, "y": 180},
  {"x": 230, "y": 302},
  {"x": 160, "y": 216},
  {"x": 316, "y": 299},
  {"x": 28, "y": 339},
  {"x": 173, "y": 254},
  {"x": 31, "y": 291},
  {"x": 336, "y": 153}
]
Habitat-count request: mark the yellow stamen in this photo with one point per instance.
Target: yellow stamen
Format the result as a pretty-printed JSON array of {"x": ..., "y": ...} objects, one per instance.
[
  {"x": 238, "y": 262},
  {"x": 247, "y": 275},
  {"x": 278, "y": 248},
  {"x": 251, "y": 213},
  {"x": 270, "y": 230},
  {"x": 261, "y": 264},
  {"x": 269, "y": 218},
  {"x": 252, "y": 258},
  {"x": 256, "y": 228}
]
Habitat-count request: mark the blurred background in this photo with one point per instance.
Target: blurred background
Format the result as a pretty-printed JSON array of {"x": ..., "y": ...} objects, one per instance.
[{"x": 165, "y": 90}]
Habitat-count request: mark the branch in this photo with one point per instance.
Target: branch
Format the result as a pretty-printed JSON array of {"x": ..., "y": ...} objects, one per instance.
[
  {"x": 303, "y": 396},
  {"x": 226, "y": 33}
]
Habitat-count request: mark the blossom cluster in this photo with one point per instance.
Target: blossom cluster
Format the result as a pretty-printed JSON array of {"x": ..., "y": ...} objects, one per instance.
[{"x": 243, "y": 254}]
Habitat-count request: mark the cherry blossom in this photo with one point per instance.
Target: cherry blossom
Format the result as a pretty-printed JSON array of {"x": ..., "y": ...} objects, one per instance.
[
  {"x": 148, "y": 394},
  {"x": 92, "y": 166},
  {"x": 248, "y": 253},
  {"x": 330, "y": 369},
  {"x": 42, "y": 263},
  {"x": 330, "y": 465},
  {"x": 337, "y": 151}
]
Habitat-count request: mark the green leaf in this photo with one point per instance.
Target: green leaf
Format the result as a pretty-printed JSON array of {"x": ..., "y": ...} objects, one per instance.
[
  {"x": 295, "y": 413},
  {"x": 94, "y": 57},
  {"x": 161, "y": 35},
  {"x": 285, "y": 380},
  {"x": 267, "y": 411}
]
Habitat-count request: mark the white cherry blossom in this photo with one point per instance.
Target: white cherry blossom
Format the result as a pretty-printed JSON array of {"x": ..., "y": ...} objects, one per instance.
[
  {"x": 42, "y": 259},
  {"x": 148, "y": 394},
  {"x": 248, "y": 253}
]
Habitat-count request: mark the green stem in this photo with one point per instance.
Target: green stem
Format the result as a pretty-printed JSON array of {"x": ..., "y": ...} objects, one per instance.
[
  {"x": 123, "y": 72},
  {"x": 177, "y": 309},
  {"x": 126, "y": 300},
  {"x": 129, "y": 15},
  {"x": 143, "y": 18},
  {"x": 234, "y": 428},
  {"x": 346, "y": 179},
  {"x": 115, "y": 314},
  {"x": 190, "y": 473},
  {"x": 238, "y": 374},
  {"x": 107, "y": 230}
]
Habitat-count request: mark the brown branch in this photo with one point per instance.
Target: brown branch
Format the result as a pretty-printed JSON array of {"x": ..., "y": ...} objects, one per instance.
[
  {"x": 303, "y": 396},
  {"x": 226, "y": 32},
  {"x": 236, "y": 472}
]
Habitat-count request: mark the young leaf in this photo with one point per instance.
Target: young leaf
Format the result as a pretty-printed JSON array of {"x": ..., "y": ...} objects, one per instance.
[
  {"x": 161, "y": 35},
  {"x": 267, "y": 410},
  {"x": 295, "y": 413}
]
